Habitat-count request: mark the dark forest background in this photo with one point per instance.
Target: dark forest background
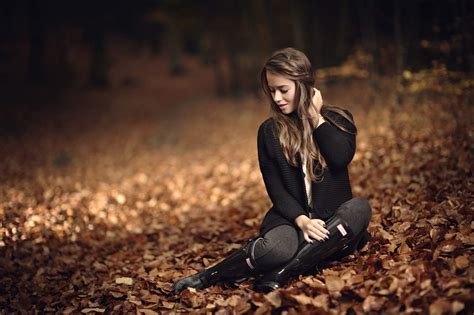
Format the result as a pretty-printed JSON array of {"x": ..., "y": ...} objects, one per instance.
[{"x": 64, "y": 43}]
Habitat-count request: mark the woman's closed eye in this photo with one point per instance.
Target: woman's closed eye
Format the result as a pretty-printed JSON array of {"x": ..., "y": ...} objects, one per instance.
[{"x": 281, "y": 91}]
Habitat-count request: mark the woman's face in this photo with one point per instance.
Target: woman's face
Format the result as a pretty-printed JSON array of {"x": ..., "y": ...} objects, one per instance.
[{"x": 283, "y": 91}]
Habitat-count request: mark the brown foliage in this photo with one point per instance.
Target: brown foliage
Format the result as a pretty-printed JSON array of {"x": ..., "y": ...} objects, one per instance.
[{"x": 142, "y": 205}]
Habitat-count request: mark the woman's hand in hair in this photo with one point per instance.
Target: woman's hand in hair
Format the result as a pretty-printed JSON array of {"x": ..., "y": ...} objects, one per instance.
[
  {"x": 315, "y": 109},
  {"x": 312, "y": 228},
  {"x": 317, "y": 100}
]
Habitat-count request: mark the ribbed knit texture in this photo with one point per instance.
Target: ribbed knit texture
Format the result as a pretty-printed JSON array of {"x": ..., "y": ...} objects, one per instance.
[{"x": 285, "y": 183}]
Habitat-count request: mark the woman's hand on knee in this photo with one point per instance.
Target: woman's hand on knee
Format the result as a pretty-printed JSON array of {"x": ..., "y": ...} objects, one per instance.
[{"x": 314, "y": 228}]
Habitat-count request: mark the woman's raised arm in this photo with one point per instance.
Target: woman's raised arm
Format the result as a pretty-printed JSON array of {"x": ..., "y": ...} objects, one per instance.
[{"x": 337, "y": 147}]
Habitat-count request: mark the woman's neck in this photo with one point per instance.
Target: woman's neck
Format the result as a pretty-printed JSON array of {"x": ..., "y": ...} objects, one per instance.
[{"x": 294, "y": 115}]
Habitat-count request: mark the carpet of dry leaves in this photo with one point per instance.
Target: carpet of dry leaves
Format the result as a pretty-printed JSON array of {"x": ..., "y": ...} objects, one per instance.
[{"x": 107, "y": 201}]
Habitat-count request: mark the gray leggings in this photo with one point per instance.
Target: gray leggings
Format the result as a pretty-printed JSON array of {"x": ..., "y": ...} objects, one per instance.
[{"x": 281, "y": 243}]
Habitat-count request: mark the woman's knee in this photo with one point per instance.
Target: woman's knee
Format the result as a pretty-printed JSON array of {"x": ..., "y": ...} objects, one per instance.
[
  {"x": 363, "y": 205},
  {"x": 357, "y": 210}
]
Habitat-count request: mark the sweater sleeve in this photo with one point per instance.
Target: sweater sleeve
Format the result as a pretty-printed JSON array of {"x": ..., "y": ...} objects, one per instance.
[
  {"x": 283, "y": 202},
  {"x": 337, "y": 147}
]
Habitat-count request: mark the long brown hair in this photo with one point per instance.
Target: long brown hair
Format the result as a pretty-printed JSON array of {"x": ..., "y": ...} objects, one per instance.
[{"x": 295, "y": 135}]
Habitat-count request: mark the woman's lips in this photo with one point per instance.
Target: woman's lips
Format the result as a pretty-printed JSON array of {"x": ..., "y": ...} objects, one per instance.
[{"x": 281, "y": 106}]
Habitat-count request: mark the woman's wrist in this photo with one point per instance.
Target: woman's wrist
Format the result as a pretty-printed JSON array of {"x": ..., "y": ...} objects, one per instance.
[
  {"x": 321, "y": 120},
  {"x": 301, "y": 219}
]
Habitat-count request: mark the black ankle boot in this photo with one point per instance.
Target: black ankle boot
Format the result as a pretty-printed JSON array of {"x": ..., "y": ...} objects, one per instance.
[
  {"x": 308, "y": 257},
  {"x": 238, "y": 265}
]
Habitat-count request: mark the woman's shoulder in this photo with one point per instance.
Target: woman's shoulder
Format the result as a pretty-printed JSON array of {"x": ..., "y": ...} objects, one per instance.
[
  {"x": 339, "y": 115},
  {"x": 267, "y": 130},
  {"x": 335, "y": 112},
  {"x": 266, "y": 124}
]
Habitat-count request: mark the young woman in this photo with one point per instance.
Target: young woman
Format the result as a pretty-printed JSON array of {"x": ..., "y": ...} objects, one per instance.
[{"x": 304, "y": 149}]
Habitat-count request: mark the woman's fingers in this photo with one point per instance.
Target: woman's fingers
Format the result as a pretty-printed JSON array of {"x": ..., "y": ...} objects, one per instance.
[
  {"x": 320, "y": 221},
  {"x": 317, "y": 99},
  {"x": 319, "y": 225},
  {"x": 306, "y": 237},
  {"x": 315, "y": 229},
  {"x": 317, "y": 234}
]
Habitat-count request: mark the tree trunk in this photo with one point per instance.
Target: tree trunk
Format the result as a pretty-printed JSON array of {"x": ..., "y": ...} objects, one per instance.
[
  {"x": 296, "y": 10},
  {"x": 262, "y": 21},
  {"x": 99, "y": 63},
  {"x": 367, "y": 22},
  {"x": 36, "y": 51},
  {"x": 315, "y": 44},
  {"x": 400, "y": 52},
  {"x": 174, "y": 46},
  {"x": 234, "y": 80},
  {"x": 413, "y": 59},
  {"x": 467, "y": 49},
  {"x": 342, "y": 38}
]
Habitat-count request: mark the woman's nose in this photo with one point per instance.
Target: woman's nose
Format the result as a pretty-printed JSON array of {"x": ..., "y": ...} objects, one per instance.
[{"x": 277, "y": 96}]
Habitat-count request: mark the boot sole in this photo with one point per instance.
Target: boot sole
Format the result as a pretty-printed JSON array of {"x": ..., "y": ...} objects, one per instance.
[{"x": 267, "y": 286}]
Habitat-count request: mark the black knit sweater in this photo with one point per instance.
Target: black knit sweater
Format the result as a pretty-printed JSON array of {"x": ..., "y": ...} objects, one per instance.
[{"x": 285, "y": 183}]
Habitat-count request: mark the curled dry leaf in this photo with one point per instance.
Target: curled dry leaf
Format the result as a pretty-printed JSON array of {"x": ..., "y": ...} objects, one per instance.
[
  {"x": 394, "y": 285},
  {"x": 373, "y": 303},
  {"x": 151, "y": 298},
  {"x": 99, "y": 267},
  {"x": 440, "y": 306},
  {"x": 242, "y": 307},
  {"x": 147, "y": 311},
  {"x": 404, "y": 227},
  {"x": 457, "y": 306},
  {"x": 274, "y": 298},
  {"x": 334, "y": 283},
  {"x": 116, "y": 295},
  {"x": 462, "y": 262},
  {"x": 321, "y": 301},
  {"x": 124, "y": 280},
  {"x": 93, "y": 309},
  {"x": 153, "y": 273},
  {"x": 435, "y": 234},
  {"x": 356, "y": 279},
  {"x": 232, "y": 300},
  {"x": 404, "y": 248},
  {"x": 303, "y": 299},
  {"x": 168, "y": 305},
  {"x": 314, "y": 283},
  {"x": 449, "y": 246},
  {"x": 425, "y": 284}
]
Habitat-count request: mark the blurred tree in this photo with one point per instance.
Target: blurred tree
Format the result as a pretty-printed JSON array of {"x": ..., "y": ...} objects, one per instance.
[
  {"x": 412, "y": 53},
  {"x": 466, "y": 29},
  {"x": 174, "y": 45},
  {"x": 316, "y": 37},
  {"x": 37, "y": 41},
  {"x": 95, "y": 33},
  {"x": 342, "y": 39},
  {"x": 400, "y": 49},
  {"x": 263, "y": 22},
  {"x": 173, "y": 16},
  {"x": 367, "y": 15},
  {"x": 297, "y": 13},
  {"x": 98, "y": 72}
]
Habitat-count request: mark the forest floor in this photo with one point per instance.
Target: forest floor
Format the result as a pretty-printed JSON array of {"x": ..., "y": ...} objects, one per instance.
[{"x": 110, "y": 198}]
